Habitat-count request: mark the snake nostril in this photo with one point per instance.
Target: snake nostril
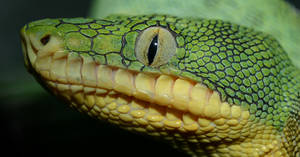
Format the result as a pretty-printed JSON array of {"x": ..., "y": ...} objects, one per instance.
[{"x": 45, "y": 39}]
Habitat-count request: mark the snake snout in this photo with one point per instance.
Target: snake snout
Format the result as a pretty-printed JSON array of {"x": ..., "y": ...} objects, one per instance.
[{"x": 39, "y": 43}]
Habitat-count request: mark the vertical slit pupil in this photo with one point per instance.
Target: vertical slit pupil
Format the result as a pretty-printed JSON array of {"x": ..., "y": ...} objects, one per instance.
[{"x": 152, "y": 49}]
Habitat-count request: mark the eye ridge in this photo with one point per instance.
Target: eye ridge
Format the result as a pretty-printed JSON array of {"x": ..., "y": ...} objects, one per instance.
[{"x": 152, "y": 50}]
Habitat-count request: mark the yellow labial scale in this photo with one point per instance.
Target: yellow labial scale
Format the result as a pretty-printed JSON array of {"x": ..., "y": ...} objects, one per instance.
[
  {"x": 58, "y": 70},
  {"x": 73, "y": 69},
  {"x": 138, "y": 113},
  {"x": 181, "y": 129},
  {"x": 84, "y": 108},
  {"x": 215, "y": 139},
  {"x": 124, "y": 82},
  {"x": 144, "y": 84},
  {"x": 126, "y": 117},
  {"x": 137, "y": 104},
  {"x": 212, "y": 109},
  {"x": 189, "y": 118},
  {"x": 99, "y": 101},
  {"x": 190, "y": 127},
  {"x": 89, "y": 90},
  {"x": 150, "y": 128},
  {"x": 266, "y": 136},
  {"x": 139, "y": 129},
  {"x": 154, "y": 134},
  {"x": 52, "y": 84},
  {"x": 89, "y": 76},
  {"x": 79, "y": 98},
  {"x": 244, "y": 122},
  {"x": 232, "y": 122},
  {"x": 109, "y": 98},
  {"x": 173, "y": 123},
  {"x": 173, "y": 115},
  {"x": 93, "y": 113},
  {"x": 236, "y": 112},
  {"x": 225, "y": 110},
  {"x": 223, "y": 150},
  {"x": 122, "y": 100},
  {"x": 181, "y": 93},
  {"x": 45, "y": 74},
  {"x": 96, "y": 107},
  {"x": 90, "y": 100},
  {"x": 76, "y": 88},
  {"x": 163, "y": 90},
  {"x": 58, "y": 55},
  {"x": 105, "y": 110},
  {"x": 104, "y": 77},
  {"x": 198, "y": 101},
  {"x": 156, "y": 110},
  {"x": 66, "y": 95},
  {"x": 210, "y": 134},
  {"x": 112, "y": 106},
  {"x": 42, "y": 65},
  {"x": 63, "y": 87},
  {"x": 113, "y": 117},
  {"x": 103, "y": 115},
  {"x": 114, "y": 121},
  {"x": 245, "y": 134},
  {"x": 220, "y": 121},
  {"x": 112, "y": 93},
  {"x": 234, "y": 135},
  {"x": 207, "y": 128},
  {"x": 222, "y": 135},
  {"x": 124, "y": 109},
  {"x": 157, "y": 124},
  {"x": 193, "y": 140},
  {"x": 237, "y": 127},
  {"x": 203, "y": 122},
  {"x": 204, "y": 140},
  {"x": 115, "y": 112},
  {"x": 142, "y": 121},
  {"x": 155, "y": 118},
  {"x": 101, "y": 91}
]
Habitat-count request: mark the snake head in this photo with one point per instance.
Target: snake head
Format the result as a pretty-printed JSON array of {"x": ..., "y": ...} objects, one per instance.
[
  {"x": 40, "y": 39},
  {"x": 205, "y": 84}
]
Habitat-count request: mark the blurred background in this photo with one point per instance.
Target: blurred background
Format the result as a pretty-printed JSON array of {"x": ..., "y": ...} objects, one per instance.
[{"x": 34, "y": 123}]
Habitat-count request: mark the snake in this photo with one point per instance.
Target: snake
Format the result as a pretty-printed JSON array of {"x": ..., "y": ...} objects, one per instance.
[{"x": 209, "y": 87}]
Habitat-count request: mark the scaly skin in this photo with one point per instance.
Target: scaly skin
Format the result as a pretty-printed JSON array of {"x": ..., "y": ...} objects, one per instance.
[{"x": 212, "y": 88}]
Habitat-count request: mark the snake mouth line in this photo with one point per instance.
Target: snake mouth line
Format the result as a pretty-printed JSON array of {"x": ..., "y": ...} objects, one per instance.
[
  {"x": 116, "y": 93},
  {"x": 163, "y": 90}
]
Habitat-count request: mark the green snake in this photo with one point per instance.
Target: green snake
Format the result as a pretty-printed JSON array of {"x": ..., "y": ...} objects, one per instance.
[{"x": 207, "y": 86}]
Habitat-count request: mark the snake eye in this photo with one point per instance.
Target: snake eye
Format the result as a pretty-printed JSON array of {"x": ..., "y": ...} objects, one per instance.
[
  {"x": 155, "y": 46},
  {"x": 45, "y": 39}
]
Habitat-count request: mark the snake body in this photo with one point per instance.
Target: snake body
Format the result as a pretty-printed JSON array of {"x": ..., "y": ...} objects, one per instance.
[{"x": 209, "y": 87}]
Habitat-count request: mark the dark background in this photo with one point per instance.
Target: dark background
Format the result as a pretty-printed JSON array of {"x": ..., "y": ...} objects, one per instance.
[{"x": 37, "y": 124}]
